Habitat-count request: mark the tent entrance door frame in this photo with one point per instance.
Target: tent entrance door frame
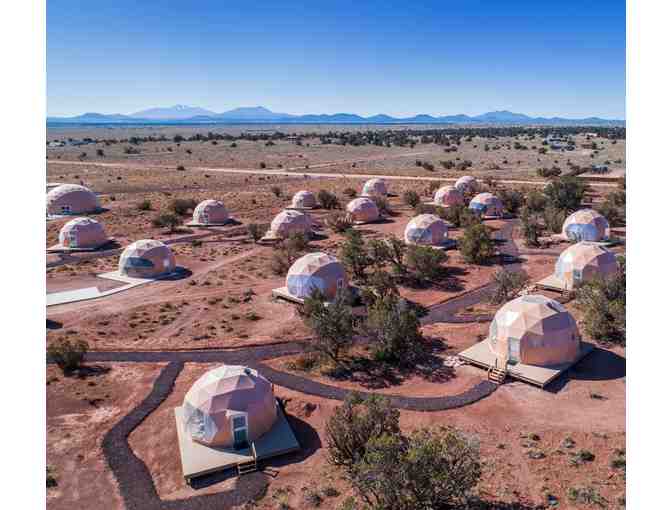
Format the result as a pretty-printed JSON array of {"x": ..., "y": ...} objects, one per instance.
[{"x": 239, "y": 430}]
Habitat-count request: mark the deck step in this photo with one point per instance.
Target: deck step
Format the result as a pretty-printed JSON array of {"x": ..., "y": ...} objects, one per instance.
[{"x": 247, "y": 467}]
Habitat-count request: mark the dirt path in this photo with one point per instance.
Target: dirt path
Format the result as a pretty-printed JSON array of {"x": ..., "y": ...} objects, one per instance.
[{"x": 300, "y": 172}]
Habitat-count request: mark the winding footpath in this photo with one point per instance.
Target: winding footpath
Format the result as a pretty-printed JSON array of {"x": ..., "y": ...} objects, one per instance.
[{"x": 135, "y": 482}]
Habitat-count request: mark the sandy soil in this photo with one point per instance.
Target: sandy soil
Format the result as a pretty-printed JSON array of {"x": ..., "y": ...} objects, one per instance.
[{"x": 80, "y": 410}]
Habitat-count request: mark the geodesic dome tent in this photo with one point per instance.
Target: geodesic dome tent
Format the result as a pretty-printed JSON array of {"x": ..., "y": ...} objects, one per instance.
[
  {"x": 534, "y": 330},
  {"x": 290, "y": 222},
  {"x": 465, "y": 183},
  {"x": 82, "y": 233},
  {"x": 304, "y": 200},
  {"x": 228, "y": 407},
  {"x": 71, "y": 199},
  {"x": 316, "y": 271},
  {"x": 486, "y": 204},
  {"x": 146, "y": 258},
  {"x": 586, "y": 225},
  {"x": 374, "y": 187},
  {"x": 582, "y": 262},
  {"x": 447, "y": 196},
  {"x": 362, "y": 210},
  {"x": 210, "y": 212},
  {"x": 426, "y": 230}
]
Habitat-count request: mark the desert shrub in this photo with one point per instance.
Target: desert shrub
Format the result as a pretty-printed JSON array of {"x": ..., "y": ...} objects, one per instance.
[
  {"x": 425, "y": 262},
  {"x": 394, "y": 331},
  {"x": 166, "y": 220},
  {"x": 549, "y": 172},
  {"x": 296, "y": 242},
  {"x": 313, "y": 498},
  {"x": 379, "y": 284},
  {"x": 256, "y": 231},
  {"x": 603, "y": 302},
  {"x": 432, "y": 187},
  {"x": 180, "y": 168},
  {"x": 67, "y": 355},
  {"x": 535, "y": 201},
  {"x": 51, "y": 479},
  {"x": 332, "y": 326},
  {"x": 281, "y": 261},
  {"x": 182, "y": 206},
  {"x": 507, "y": 285},
  {"x": 512, "y": 200},
  {"x": 131, "y": 150},
  {"x": 354, "y": 255},
  {"x": 586, "y": 496},
  {"x": 262, "y": 165},
  {"x": 382, "y": 204},
  {"x": 338, "y": 222},
  {"x": 100, "y": 153},
  {"x": 425, "y": 209},
  {"x": 554, "y": 219},
  {"x": 327, "y": 200},
  {"x": 532, "y": 227},
  {"x": 353, "y": 424},
  {"x": 350, "y": 192},
  {"x": 476, "y": 246},
  {"x": 277, "y": 191},
  {"x": 565, "y": 193},
  {"x": 435, "y": 468},
  {"x": 145, "y": 205},
  {"x": 411, "y": 198},
  {"x": 611, "y": 212}
]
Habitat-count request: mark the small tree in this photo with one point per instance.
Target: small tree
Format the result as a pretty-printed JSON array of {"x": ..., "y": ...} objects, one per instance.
[
  {"x": 256, "y": 231},
  {"x": 512, "y": 200},
  {"x": 411, "y": 198},
  {"x": 332, "y": 325},
  {"x": 389, "y": 251},
  {"x": 382, "y": 204},
  {"x": 603, "y": 302},
  {"x": 338, "y": 222},
  {"x": 565, "y": 193},
  {"x": 182, "y": 206},
  {"x": 67, "y": 355},
  {"x": 535, "y": 201},
  {"x": 507, "y": 285},
  {"x": 327, "y": 200},
  {"x": 167, "y": 220},
  {"x": 350, "y": 192},
  {"x": 354, "y": 424},
  {"x": 554, "y": 219},
  {"x": 532, "y": 227},
  {"x": 476, "y": 246},
  {"x": 379, "y": 284},
  {"x": 145, "y": 205},
  {"x": 425, "y": 262},
  {"x": 394, "y": 330},
  {"x": 353, "y": 254}
]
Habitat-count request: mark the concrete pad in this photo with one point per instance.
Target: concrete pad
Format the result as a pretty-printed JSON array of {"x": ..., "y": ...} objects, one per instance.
[
  {"x": 58, "y": 248},
  {"x": 230, "y": 221},
  {"x": 481, "y": 356},
  {"x": 552, "y": 282},
  {"x": 606, "y": 243},
  {"x": 69, "y": 296},
  {"x": 283, "y": 293},
  {"x": 198, "y": 459}
]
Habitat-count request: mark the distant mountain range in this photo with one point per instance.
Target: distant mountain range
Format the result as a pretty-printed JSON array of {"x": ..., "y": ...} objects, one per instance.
[{"x": 182, "y": 114}]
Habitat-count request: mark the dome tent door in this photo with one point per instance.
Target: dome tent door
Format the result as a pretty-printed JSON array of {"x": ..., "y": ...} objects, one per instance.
[
  {"x": 239, "y": 429},
  {"x": 514, "y": 350}
]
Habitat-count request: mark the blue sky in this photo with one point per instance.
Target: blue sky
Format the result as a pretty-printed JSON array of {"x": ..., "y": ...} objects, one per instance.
[{"x": 453, "y": 56}]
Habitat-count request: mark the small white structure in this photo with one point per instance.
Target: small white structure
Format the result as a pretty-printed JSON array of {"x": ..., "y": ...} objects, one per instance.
[
  {"x": 210, "y": 212},
  {"x": 362, "y": 210},
  {"x": 68, "y": 199},
  {"x": 304, "y": 200},
  {"x": 146, "y": 258},
  {"x": 447, "y": 196},
  {"x": 426, "y": 230},
  {"x": 288, "y": 222},
  {"x": 374, "y": 187},
  {"x": 466, "y": 184},
  {"x": 487, "y": 205},
  {"x": 82, "y": 234}
]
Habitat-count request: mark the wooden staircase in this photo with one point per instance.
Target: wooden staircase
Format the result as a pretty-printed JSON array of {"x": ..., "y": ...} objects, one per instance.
[
  {"x": 249, "y": 466},
  {"x": 497, "y": 374}
]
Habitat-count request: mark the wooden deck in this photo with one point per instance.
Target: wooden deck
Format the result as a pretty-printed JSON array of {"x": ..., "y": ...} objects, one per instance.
[
  {"x": 199, "y": 460},
  {"x": 481, "y": 356}
]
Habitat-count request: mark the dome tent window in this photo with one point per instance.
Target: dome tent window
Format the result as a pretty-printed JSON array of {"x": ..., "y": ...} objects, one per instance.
[{"x": 139, "y": 262}]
